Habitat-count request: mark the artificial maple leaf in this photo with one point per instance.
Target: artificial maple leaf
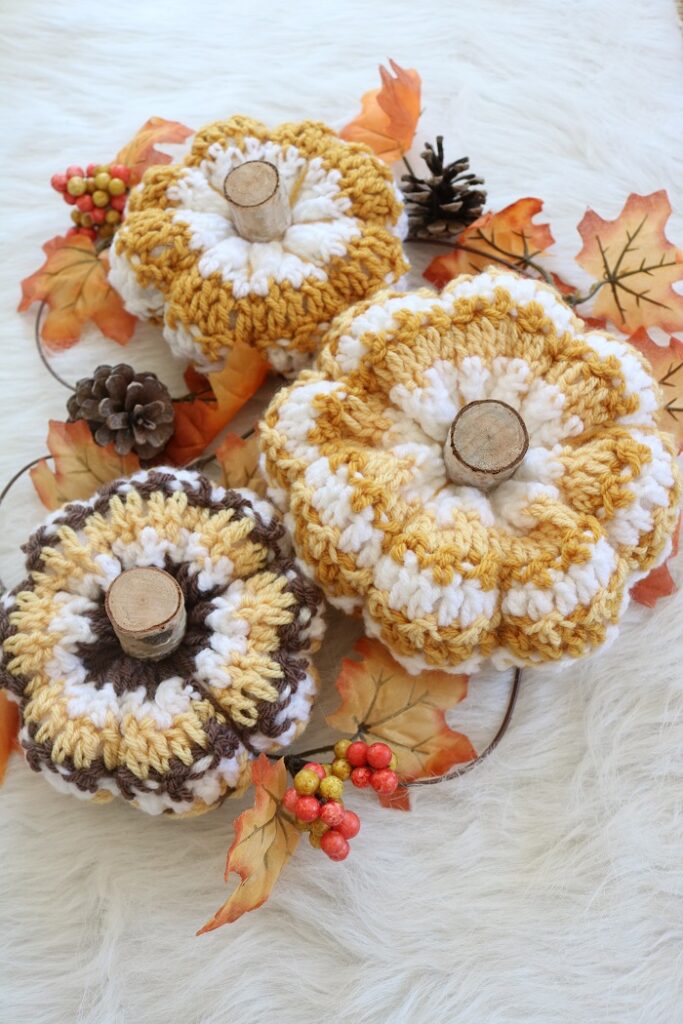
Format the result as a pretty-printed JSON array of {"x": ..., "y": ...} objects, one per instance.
[
  {"x": 380, "y": 700},
  {"x": 141, "y": 153},
  {"x": 238, "y": 459},
  {"x": 265, "y": 839},
  {"x": 659, "y": 582},
  {"x": 667, "y": 364},
  {"x": 399, "y": 800},
  {"x": 508, "y": 238},
  {"x": 389, "y": 115},
  {"x": 637, "y": 262},
  {"x": 199, "y": 420},
  {"x": 9, "y": 730},
  {"x": 73, "y": 282},
  {"x": 81, "y": 465}
]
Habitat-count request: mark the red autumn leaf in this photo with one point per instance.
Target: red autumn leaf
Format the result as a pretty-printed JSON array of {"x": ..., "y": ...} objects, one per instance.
[
  {"x": 667, "y": 364},
  {"x": 141, "y": 152},
  {"x": 389, "y": 115},
  {"x": 381, "y": 701},
  {"x": 73, "y": 282},
  {"x": 508, "y": 238},
  {"x": 81, "y": 465},
  {"x": 9, "y": 731},
  {"x": 660, "y": 582},
  {"x": 239, "y": 461},
  {"x": 199, "y": 420},
  {"x": 264, "y": 841},
  {"x": 637, "y": 262}
]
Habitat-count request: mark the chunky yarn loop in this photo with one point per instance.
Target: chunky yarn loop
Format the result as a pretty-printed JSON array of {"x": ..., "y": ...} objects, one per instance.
[
  {"x": 178, "y": 257},
  {"x": 176, "y": 735},
  {"x": 540, "y": 568}
]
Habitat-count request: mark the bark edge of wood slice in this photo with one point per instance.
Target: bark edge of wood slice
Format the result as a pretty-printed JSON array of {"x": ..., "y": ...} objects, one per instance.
[
  {"x": 146, "y": 608},
  {"x": 486, "y": 443},
  {"x": 258, "y": 200}
]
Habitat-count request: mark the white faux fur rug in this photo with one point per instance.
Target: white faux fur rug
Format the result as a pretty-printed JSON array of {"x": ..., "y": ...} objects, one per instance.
[{"x": 547, "y": 886}]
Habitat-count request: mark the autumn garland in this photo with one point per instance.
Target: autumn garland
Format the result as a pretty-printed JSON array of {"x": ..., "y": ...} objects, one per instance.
[{"x": 633, "y": 267}]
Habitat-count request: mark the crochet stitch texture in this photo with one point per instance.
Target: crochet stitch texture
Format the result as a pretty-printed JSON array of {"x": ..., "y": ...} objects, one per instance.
[
  {"x": 540, "y": 568},
  {"x": 176, "y": 735},
  {"x": 178, "y": 258}
]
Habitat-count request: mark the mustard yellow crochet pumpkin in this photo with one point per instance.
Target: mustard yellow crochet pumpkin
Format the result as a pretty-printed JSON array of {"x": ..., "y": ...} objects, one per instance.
[
  {"x": 446, "y": 575},
  {"x": 179, "y": 258},
  {"x": 173, "y": 735}
]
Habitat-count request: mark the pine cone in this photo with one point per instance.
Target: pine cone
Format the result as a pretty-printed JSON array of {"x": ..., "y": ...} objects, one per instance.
[
  {"x": 134, "y": 410},
  {"x": 446, "y": 201}
]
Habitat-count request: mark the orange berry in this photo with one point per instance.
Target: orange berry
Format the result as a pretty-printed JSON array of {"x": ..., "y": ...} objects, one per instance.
[
  {"x": 357, "y": 753},
  {"x": 334, "y": 845},
  {"x": 307, "y": 808},
  {"x": 360, "y": 777},
  {"x": 379, "y": 755},
  {"x": 289, "y": 799},
  {"x": 349, "y": 826},
  {"x": 332, "y": 813},
  {"x": 384, "y": 781}
]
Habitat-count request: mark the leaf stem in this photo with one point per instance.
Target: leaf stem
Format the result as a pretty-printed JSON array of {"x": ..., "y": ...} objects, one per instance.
[
  {"x": 520, "y": 265},
  {"x": 577, "y": 299}
]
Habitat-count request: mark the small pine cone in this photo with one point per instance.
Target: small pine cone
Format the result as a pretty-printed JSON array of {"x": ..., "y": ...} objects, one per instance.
[
  {"x": 447, "y": 200},
  {"x": 132, "y": 410}
]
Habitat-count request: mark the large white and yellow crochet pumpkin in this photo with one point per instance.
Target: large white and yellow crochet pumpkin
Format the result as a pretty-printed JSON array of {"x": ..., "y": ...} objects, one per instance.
[
  {"x": 179, "y": 258},
  {"x": 537, "y": 569},
  {"x": 173, "y": 735}
]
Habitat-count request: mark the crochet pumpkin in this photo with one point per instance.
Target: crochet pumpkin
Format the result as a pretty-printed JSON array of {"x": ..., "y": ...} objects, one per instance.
[
  {"x": 447, "y": 574},
  {"x": 180, "y": 257},
  {"x": 172, "y": 735}
]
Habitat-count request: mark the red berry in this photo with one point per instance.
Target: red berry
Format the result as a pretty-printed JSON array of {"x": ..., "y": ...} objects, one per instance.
[
  {"x": 307, "y": 808},
  {"x": 74, "y": 171},
  {"x": 91, "y": 170},
  {"x": 384, "y": 781},
  {"x": 361, "y": 777},
  {"x": 118, "y": 203},
  {"x": 85, "y": 203},
  {"x": 69, "y": 199},
  {"x": 88, "y": 232},
  {"x": 98, "y": 215},
  {"x": 73, "y": 231},
  {"x": 334, "y": 845},
  {"x": 379, "y": 755},
  {"x": 357, "y": 754},
  {"x": 290, "y": 799},
  {"x": 332, "y": 813},
  {"x": 58, "y": 182},
  {"x": 349, "y": 826},
  {"x": 120, "y": 171},
  {"x": 317, "y": 768}
]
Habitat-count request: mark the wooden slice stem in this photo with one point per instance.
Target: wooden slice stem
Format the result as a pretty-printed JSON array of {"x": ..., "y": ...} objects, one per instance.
[
  {"x": 258, "y": 201},
  {"x": 147, "y": 610},
  {"x": 486, "y": 443}
]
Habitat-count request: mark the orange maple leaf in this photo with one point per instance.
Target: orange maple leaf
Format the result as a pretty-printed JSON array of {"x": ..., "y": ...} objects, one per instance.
[
  {"x": 73, "y": 282},
  {"x": 199, "y": 420},
  {"x": 659, "y": 582},
  {"x": 636, "y": 262},
  {"x": 265, "y": 839},
  {"x": 238, "y": 459},
  {"x": 141, "y": 153},
  {"x": 667, "y": 364},
  {"x": 9, "y": 731},
  {"x": 508, "y": 238},
  {"x": 382, "y": 701},
  {"x": 389, "y": 115},
  {"x": 81, "y": 465}
]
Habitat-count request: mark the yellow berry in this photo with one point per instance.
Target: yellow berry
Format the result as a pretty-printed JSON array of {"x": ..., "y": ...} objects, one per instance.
[
  {"x": 112, "y": 216},
  {"x": 106, "y": 230},
  {"x": 86, "y": 220},
  {"x": 302, "y": 826},
  {"x": 102, "y": 169},
  {"x": 328, "y": 769},
  {"x": 117, "y": 187},
  {"x": 90, "y": 185},
  {"x": 331, "y": 788},
  {"x": 306, "y": 782},
  {"x": 341, "y": 768},
  {"x": 100, "y": 198},
  {"x": 102, "y": 179},
  {"x": 76, "y": 186},
  {"x": 319, "y": 828},
  {"x": 76, "y": 216},
  {"x": 393, "y": 764},
  {"x": 314, "y": 840},
  {"x": 340, "y": 748}
]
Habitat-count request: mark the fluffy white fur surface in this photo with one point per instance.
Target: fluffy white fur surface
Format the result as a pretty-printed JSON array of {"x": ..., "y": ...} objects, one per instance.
[{"x": 545, "y": 887}]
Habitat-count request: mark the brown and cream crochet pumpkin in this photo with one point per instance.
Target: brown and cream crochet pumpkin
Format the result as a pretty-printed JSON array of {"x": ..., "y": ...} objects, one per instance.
[
  {"x": 359, "y": 453},
  {"x": 173, "y": 735},
  {"x": 182, "y": 255}
]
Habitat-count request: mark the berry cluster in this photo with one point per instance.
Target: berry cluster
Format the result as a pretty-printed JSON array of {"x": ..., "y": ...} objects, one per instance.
[
  {"x": 315, "y": 799},
  {"x": 99, "y": 196}
]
